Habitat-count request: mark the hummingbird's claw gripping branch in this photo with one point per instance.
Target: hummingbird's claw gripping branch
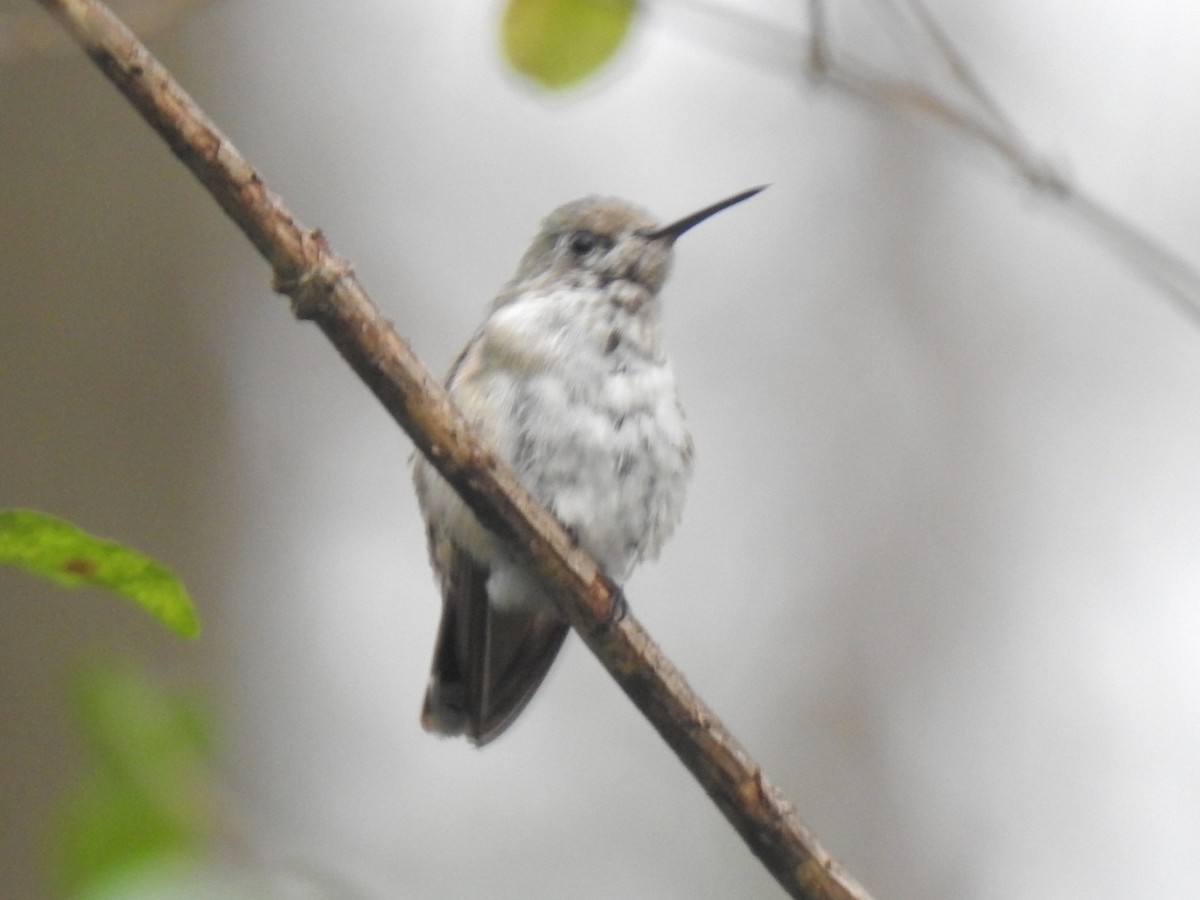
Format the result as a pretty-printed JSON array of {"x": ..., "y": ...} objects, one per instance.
[{"x": 620, "y": 605}]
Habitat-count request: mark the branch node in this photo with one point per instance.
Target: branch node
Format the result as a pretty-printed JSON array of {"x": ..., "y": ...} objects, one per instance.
[
  {"x": 312, "y": 285},
  {"x": 1045, "y": 176}
]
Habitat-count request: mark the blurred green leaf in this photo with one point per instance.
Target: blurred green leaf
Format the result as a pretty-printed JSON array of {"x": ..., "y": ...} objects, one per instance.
[
  {"x": 63, "y": 553},
  {"x": 559, "y": 42},
  {"x": 147, "y": 795}
]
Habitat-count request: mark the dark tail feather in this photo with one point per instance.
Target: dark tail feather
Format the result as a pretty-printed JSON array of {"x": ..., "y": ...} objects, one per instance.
[
  {"x": 486, "y": 664},
  {"x": 521, "y": 648}
]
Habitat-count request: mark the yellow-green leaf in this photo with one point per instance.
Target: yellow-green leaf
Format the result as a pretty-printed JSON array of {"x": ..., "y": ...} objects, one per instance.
[
  {"x": 560, "y": 42},
  {"x": 63, "y": 553}
]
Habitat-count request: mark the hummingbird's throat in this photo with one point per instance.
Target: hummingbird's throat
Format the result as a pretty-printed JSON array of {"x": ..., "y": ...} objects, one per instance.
[{"x": 628, "y": 296}]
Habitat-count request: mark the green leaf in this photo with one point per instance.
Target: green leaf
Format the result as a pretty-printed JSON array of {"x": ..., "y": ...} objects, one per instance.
[
  {"x": 560, "y": 42},
  {"x": 147, "y": 794},
  {"x": 63, "y": 553}
]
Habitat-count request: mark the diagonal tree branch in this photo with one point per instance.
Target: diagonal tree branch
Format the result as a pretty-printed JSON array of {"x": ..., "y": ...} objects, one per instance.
[{"x": 324, "y": 289}]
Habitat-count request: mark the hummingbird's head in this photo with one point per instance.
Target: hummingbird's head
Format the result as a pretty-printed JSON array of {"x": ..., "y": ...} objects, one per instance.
[
  {"x": 593, "y": 242},
  {"x": 596, "y": 241}
]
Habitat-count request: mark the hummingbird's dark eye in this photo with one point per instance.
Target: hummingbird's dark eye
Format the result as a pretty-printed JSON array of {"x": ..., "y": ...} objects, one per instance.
[{"x": 583, "y": 242}]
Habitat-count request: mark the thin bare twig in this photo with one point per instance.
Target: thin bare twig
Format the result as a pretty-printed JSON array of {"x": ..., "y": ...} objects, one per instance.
[
  {"x": 957, "y": 64},
  {"x": 991, "y": 126},
  {"x": 323, "y": 288},
  {"x": 981, "y": 119}
]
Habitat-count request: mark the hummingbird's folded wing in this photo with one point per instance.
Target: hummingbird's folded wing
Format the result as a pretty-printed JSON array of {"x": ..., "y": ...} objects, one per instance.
[{"x": 486, "y": 663}]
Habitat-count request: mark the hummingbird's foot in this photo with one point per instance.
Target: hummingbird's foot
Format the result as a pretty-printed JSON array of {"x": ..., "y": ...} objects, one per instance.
[{"x": 620, "y": 605}]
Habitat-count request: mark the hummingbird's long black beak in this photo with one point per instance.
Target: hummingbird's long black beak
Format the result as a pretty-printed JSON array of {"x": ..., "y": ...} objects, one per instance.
[{"x": 670, "y": 232}]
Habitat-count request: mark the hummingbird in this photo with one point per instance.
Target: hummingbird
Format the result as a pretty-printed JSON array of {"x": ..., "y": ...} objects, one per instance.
[{"x": 568, "y": 381}]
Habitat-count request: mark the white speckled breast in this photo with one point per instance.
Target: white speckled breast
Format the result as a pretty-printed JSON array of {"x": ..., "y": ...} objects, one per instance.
[{"x": 572, "y": 389}]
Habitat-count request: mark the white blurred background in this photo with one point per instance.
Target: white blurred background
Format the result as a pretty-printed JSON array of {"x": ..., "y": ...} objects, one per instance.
[{"x": 939, "y": 566}]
